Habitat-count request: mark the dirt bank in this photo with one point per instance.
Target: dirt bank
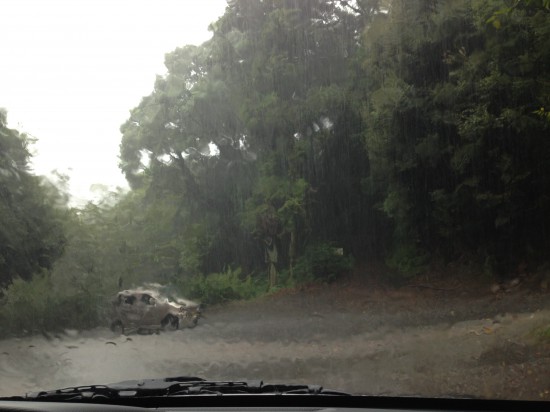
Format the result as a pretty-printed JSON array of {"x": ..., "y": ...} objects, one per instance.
[{"x": 424, "y": 340}]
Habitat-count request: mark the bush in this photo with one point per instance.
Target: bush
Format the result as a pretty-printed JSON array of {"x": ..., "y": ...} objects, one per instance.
[
  {"x": 543, "y": 334},
  {"x": 321, "y": 261},
  {"x": 36, "y": 306},
  {"x": 223, "y": 287},
  {"x": 408, "y": 259}
]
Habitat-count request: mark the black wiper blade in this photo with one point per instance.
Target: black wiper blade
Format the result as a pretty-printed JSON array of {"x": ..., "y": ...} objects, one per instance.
[
  {"x": 174, "y": 387},
  {"x": 92, "y": 392}
]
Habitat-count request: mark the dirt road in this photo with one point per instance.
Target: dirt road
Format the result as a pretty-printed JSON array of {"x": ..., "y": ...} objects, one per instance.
[{"x": 392, "y": 342}]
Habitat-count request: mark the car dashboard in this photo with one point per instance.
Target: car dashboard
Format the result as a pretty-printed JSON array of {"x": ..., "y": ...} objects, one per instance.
[{"x": 276, "y": 403}]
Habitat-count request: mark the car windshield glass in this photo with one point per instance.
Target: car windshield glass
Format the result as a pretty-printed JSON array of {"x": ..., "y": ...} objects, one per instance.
[{"x": 350, "y": 194}]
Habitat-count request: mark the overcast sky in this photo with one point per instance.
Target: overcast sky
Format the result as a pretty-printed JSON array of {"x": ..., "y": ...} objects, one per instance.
[{"x": 72, "y": 69}]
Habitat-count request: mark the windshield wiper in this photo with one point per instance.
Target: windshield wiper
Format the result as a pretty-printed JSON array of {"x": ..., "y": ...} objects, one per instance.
[
  {"x": 174, "y": 387},
  {"x": 197, "y": 392}
]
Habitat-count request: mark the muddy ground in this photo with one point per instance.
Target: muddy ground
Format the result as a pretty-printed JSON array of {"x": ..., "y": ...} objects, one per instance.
[{"x": 418, "y": 339}]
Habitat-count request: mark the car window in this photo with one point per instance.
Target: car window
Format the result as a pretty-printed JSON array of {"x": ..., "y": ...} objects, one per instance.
[
  {"x": 352, "y": 194},
  {"x": 129, "y": 299},
  {"x": 147, "y": 299}
]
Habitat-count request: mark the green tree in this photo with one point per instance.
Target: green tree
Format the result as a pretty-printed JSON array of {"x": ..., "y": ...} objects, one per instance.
[
  {"x": 31, "y": 235},
  {"x": 291, "y": 63},
  {"x": 269, "y": 93},
  {"x": 455, "y": 146}
]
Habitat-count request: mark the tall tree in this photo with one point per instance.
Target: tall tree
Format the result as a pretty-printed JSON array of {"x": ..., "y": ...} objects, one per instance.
[
  {"x": 452, "y": 134},
  {"x": 31, "y": 235},
  {"x": 269, "y": 93}
]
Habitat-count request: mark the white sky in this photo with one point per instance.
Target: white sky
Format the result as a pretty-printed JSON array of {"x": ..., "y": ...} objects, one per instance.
[{"x": 70, "y": 71}]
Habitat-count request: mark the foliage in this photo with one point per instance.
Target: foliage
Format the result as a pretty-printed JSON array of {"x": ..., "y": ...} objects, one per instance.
[
  {"x": 536, "y": 5},
  {"x": 221, "y": 287},
  {"x": 542, "y": 333},
  {"x": 39, "y": 305},
  {"x": 31, "y": 236},
  {"x": 268, "y": 93},
  {"x": 452, "y": 135},
  {"x": 322, "y": 262},
  {"x": 408, "y": 260}
]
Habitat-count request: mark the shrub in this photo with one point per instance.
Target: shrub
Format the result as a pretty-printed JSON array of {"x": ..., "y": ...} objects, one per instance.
[
  {"x": 543, "y": 334},
  {"x": 408, "y": 259},
  {"x": 321, "y": 261},
  {"x": 35, "y": 305},
  {"x": 223, "y": 287}
]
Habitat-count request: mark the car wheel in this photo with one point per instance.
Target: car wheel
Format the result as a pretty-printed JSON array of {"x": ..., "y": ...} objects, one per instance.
[
  {"x": 170, "y": 322},
  {"x": 117, "y": 327},
  {"x": 193, "y": 323}
]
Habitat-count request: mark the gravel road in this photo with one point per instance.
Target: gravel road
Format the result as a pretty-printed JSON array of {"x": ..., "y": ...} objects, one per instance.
[{"x": 402, "y": 342}]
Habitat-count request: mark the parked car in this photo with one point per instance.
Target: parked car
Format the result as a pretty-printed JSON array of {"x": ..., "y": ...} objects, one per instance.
[{"x": 148, "y": 310}]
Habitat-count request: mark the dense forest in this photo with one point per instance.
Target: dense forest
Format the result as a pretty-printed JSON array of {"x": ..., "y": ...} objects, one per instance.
[{"x": 305, "y": 137}]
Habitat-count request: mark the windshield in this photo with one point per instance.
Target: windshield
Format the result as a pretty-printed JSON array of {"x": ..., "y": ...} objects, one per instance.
[{"x": 352, "y": 194}]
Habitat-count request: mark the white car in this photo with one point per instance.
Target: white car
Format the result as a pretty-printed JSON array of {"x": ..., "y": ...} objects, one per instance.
[{"x": 148, "y": 310}]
